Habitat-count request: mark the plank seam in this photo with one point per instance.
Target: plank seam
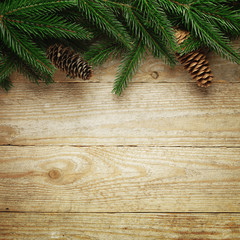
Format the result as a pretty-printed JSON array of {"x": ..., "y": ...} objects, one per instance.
[
  {"x": 120, "y": 146},
  {"x": 183, "y": 213}
]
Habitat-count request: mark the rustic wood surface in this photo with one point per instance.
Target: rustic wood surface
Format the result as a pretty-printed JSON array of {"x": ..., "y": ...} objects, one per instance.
[
  {"x": 160, "y": 162},
  {"x": 127, "y": 226}
]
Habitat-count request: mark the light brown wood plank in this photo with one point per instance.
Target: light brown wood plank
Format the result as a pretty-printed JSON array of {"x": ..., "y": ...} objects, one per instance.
[
  {"x": 223, "y": 70},
  {"x": 120, "y": 226},
  {"x": 121, "y": 179},
  {"x": 163, "y": 114}
]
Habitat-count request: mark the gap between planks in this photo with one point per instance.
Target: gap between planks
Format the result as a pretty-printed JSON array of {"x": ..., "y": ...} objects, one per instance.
[
  {"x": 180, "y": 213},
  {"x": 118, "y": 146}
]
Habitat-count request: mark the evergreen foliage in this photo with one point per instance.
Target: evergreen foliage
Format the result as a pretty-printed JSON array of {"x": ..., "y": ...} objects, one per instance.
[
  {"x": 129, "y": 66},
  {"x": 123, "y": 28}
]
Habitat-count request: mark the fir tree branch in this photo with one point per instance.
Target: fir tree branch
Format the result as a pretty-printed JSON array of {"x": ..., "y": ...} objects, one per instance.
[
  {"x": 128, "y": 67},
  {"x": 172, "y": 7},
  {"x": 32, "y": 73},
  {"x": 50, "y": 27},
  {"x": 210, "y": 35},
  {"x": 136, "y": 23},
  {"x": 118, "y": 4},
  {"x": 6, "y": 69},
  {"x": 34, "y": 6},
  {"x": 25, "y": 48},
  {"x": 157, "y": 19},
  {"x": 9, "y": 62},
  {"x": 225, "y": 17},
  {"x": 202, "y": 26},
  {"x": 100, "y": 52},
  {"x": 104, "y": 18},
  {"x": 6, "y": 66},
  {"x": 6, "y": 83}
]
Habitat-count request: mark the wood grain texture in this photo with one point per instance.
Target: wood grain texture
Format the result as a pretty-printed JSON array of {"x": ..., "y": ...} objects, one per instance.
[
  {"x": 120, "y": 226},
  {"x": 149, "y": 114},
  {"x": 121, "y": 179}
]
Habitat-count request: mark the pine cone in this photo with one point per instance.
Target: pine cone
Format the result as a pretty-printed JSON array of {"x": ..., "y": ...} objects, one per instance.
[
  {"x": 69, "y": 62},
  {"x": 195, "y": 62}
]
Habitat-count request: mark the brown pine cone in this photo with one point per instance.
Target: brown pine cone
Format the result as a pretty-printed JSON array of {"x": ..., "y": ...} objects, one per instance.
[
  {"x": 69, "y": 62},
  {"x": 195, "y": 62}
]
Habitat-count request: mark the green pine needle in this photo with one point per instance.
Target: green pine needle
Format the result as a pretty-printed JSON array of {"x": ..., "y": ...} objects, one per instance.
[
  {"x": 128, "y": 67},
  {"x": 137, "y": 23},
  {"x": 158, "y": 21},
  {"x": 6, "y": 84},
  {"x": 105, "y": 19},
  {"x": 100, "y": 52},
  {"x": 6, "y": 67}
]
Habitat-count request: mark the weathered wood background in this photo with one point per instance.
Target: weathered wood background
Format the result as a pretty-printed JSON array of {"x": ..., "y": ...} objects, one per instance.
[{"x": 160, "y": 162}]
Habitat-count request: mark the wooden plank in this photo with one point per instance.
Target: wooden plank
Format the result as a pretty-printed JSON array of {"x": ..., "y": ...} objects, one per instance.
[
  {"x": 154, "y": 70},
  {"x": 119, "y": 179},
  {"x": 119, "y": 226},
  {"x": 163, "y": 114}
]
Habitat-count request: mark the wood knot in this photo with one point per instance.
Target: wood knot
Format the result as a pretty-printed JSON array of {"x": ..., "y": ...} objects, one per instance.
[
  {"x": 54, "y": 174},
  {"x": 155, "y": 75}
]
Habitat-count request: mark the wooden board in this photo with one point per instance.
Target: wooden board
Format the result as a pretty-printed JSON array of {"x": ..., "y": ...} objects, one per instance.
[
  {"x": 120, "y": 179},
  {"x": 155, "y": 70},
  {"x": 148, "y": 114},
  {"x": 119, "y": 226}
]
